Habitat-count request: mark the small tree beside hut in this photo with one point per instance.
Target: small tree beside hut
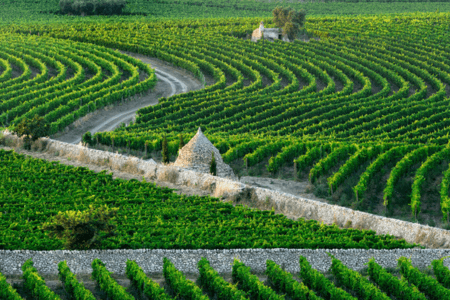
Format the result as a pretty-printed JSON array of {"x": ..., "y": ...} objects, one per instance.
[{"x": 289, "y": 20}]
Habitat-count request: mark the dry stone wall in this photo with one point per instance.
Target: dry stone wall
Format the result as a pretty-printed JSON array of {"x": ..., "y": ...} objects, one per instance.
[{"x": 151, "y": 261}]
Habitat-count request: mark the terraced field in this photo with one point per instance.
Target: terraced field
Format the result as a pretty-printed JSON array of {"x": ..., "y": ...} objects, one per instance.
[
  {"x": 357, "y": 107},
  {"x": 353, "y": 99}
]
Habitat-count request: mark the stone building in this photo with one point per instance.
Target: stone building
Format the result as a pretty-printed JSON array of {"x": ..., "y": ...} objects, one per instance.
[
  {"x": 270, "y": 34},
  {"x": 196, "y": 155}
]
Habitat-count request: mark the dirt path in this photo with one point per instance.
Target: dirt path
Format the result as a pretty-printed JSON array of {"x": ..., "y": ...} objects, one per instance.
[
  {"x": 297, "y": 188},
  {"x": 171, "y": 80}
]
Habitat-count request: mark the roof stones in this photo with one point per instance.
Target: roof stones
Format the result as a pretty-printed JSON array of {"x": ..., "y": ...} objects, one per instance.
[{"x": 197, "y": 154}]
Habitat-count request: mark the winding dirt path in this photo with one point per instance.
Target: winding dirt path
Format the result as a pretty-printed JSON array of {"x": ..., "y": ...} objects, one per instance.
[{"x": 171, "y": 80}]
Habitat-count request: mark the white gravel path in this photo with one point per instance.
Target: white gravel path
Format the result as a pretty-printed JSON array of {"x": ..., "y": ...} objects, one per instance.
[{"x": 171, "y": 80}]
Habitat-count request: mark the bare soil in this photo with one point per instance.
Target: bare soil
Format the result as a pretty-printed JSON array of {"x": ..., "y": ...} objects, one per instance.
[
  {"x": 16, "y": 71},
  {"x": 297, "y": 188},
  {"x": 375, "y": 87},
  {"x": 357, "y": 86},
  {"x": 339, "y": 85}
]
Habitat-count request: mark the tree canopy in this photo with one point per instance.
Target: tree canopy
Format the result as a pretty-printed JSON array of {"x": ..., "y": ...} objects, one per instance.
[{"x": 289, "y": 20}]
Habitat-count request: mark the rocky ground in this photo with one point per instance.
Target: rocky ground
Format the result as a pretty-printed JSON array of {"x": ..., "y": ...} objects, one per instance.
[{"x": 297, "y": 188}]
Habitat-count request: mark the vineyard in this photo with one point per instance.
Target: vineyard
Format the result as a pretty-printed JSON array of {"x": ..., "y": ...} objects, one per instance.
[
  {"x": 151, "y": 217},
  {"x": 354, "y": 100},
  {"x": 343, "y": 283},
  {"x": 358, "y": 106}
]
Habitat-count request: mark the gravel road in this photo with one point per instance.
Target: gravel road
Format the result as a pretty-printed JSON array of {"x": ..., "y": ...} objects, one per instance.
[{"x": 171, "y": 80}]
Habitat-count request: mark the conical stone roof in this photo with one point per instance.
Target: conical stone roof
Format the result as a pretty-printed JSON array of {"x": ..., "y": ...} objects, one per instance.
[{"x": 196, "y": 155}]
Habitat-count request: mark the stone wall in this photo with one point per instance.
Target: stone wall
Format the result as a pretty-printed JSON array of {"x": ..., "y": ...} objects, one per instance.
[
  {"x": 151, "y": 261},
  {"x": 292, "y": 206}
]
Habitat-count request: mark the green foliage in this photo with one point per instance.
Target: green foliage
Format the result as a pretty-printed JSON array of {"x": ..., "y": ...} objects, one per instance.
[
  {"x": 315, "y": 280},
  {"x": 165, "y": 151},
  {"x": 419, "y": 178},
  {"x": 7, "y": 291},
  {"x": 213, "y": 283},
  {"x": 290, "y": 20},
  {"x": 175, "y": 222},
  {"x": 441, "y": 272},
  {"x": 284, "y": 283},
  {"x": 403, "y": 166},
  {"x": 87, "y": 138},
  {"x": 32, "y": 129},
  {"x": 213, "y": 166},
  {"x": 81, "y": 229},
  {"x": 251, "y": 284},
  {"x": 139, "y": 279},
  {"x": 181, "y": 145},
  {"x": 26, "y": 11},
  {"x": 34, "y": 284},
  {"x": 71, "y": 285},
  {"x": 444, "y": 192},
  {"x": 92, "y": 7},
  {"x": 349, "y": 95},
  {"x": 391, "y": 285},
  {"x": 106, "y": 283},
  {"x": 181, "y": 287},
  {"x": 426, "y": 284},
  {"x": 363, "y": 288}
]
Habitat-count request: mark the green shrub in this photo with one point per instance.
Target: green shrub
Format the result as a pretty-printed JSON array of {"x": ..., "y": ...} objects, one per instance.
[
  {"x": 32, "y": 129},
  {"x": 289, "y": 20},
  {"x": 80, "y": 229},
  {"x": 92, "y": 7},
  {"x": 87, "y": 138},
  {"x": 181, "y": 142},
  {"x": 165, "y": 151},
  {"x": 213, "y": 167}
]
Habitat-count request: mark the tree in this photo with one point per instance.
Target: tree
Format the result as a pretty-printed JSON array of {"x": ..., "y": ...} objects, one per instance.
[
  {"x": 32, "y": 129},
  {"x": 213, "y": 167},
  {"x": 165, "y": 151},
  {"x": 289, "y": 20},
  {"x": 92, "y": 7},
  {"x": 87, "y": 138},
  {"x": 181, "y": 142},
  {"x": 80, "y": 230}
]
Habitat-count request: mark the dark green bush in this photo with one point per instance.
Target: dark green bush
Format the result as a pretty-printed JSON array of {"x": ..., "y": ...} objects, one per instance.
[
  {"x": 165, "y": 151},
  {"x": 289, "y": 20},
  {"x": 92, "y": 7},
  {"x": 81, "y": 230},
  {"x": 87, "y": 138},
  {"x": 213, "y": 166},
  {"x": 181, "y": 145},
  {"x": 32, "y": 129}
]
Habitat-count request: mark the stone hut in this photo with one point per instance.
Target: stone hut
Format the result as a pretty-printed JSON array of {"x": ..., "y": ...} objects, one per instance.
[
  {"x": 196, "y": 155},
  {"x": 270, "y": 34}
]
